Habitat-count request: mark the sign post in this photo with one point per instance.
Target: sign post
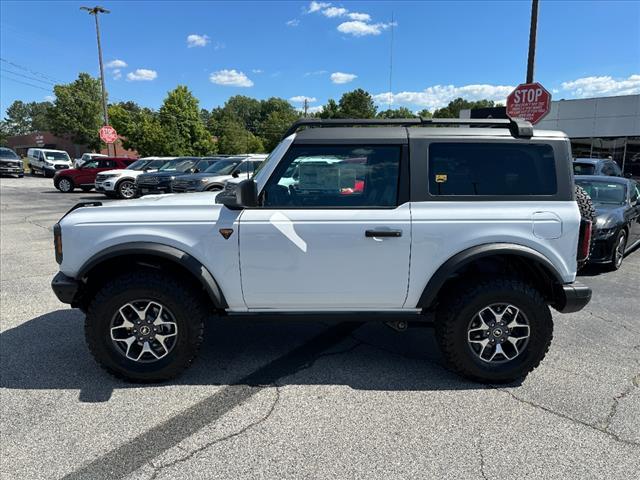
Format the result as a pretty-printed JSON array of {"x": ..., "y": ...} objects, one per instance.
[{"x": 529, "y": 101}]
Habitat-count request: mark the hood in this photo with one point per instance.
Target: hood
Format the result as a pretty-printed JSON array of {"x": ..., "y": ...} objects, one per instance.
[
  {"x": 165, "y": 174},
  {"x": 169, "y": 200},
  {"x": 608, "y": 216},
  {"x": 67, "y": 171},
  {"x": 7, "y": 160},
  {"x": 120, "y": 171},
  {"x": 209, "y": 176}
]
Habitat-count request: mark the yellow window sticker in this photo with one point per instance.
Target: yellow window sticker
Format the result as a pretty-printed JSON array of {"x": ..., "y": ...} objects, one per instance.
[{"x": 441, "y": 177}]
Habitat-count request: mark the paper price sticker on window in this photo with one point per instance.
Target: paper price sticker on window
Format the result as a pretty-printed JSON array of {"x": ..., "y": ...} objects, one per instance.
[{"x": 441, "y": 178}]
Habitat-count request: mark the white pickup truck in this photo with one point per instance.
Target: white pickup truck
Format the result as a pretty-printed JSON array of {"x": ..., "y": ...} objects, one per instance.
[{"x": 477, "y": 227}]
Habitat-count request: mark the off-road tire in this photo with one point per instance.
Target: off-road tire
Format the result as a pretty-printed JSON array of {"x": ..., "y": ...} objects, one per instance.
[
  {"x": 185, "y": 303},
  {"x": 587, "y": 212},
  {"x": 455, "y": 313},
  {"x": 57, "y": 181}
]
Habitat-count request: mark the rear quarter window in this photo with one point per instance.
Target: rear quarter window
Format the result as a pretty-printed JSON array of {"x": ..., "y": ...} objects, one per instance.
[
  {"x": 583, "y": 168},
  {"x": 491, "y": 169}
]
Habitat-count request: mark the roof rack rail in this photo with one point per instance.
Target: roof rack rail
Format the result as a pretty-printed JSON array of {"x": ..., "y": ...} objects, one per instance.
[{"x": 519, "y": 128}]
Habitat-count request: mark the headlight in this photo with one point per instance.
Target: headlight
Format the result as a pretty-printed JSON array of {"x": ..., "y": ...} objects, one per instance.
[{"x": 601, "y": 233}]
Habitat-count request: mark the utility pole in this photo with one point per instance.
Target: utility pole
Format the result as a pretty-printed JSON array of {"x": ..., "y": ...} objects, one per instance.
[
  {"x": 306, "y": 107},
  {"x": 95, "y": 11},
  {"x": 532, "y": 41}
]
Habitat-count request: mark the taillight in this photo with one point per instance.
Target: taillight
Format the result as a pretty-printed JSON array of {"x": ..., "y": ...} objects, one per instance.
[
  {"x": 584, "y": 243},
  {"x": 57, "y": 242}
]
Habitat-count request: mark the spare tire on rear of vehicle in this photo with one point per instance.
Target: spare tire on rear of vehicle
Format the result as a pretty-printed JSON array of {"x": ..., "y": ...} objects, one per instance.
[{"x": 587, "y": 212}]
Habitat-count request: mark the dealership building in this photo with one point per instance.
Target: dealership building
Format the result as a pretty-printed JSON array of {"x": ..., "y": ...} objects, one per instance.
[{"x": 605, "y": 127}]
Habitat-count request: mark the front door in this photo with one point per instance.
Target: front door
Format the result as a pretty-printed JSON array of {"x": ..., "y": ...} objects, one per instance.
[{"x": 333, "y": 232}]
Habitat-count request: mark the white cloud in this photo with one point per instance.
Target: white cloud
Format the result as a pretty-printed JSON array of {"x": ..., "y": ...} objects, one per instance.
[
  {"x": 117, "y": 74},
  {"x": 257, "y": 70},
  {"x": 361, "y": 29},
  {"x": 195, "y": 40},
  {"x": 339, "y": 77},
  {"x": 316, "y": 109},
  {"x": 439, "y": 96},
  {"x": 293, "y": 22},
  {"x": 230, "y": 78},
  {"x": 316, "y": 6},
  {"x": 116, "y": 64},
  {"x": 302, "y": 98},
  {"x": 49, "y": 98},
  {"x": 332, "y": 12},
  {"x": 142, "y": 74},
  {"x": 603, "y": 86},
  {"x": 363, "y": 17}
]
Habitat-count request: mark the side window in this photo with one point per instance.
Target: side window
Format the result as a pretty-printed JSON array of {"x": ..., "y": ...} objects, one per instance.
[
  {"x": 107, "y": 164},
  {"x": 606, "y": 169},
  {"x": 243, "y": 167},
  {"x": 635, "y": 193},
  {"x": 335, "y": 176},
  {"x": 491, "y": 169},
  {"x": 615, "y": 169}
]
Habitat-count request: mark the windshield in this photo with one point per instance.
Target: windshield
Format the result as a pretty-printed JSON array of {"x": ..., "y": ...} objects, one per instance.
[
  {"x": 178, "y": 165},
  {"x": 6, "y": 153},
  {"x": 56, "y": 155},
  {"x": 223, "y": 167},
  {"x": 584, "y": 169},
  {"x": 608, "y": 193},
  {"x": 137, "y": 165}
]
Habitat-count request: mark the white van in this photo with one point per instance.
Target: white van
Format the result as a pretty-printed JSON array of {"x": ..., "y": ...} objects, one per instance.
[{"x": 47, "y": 161}]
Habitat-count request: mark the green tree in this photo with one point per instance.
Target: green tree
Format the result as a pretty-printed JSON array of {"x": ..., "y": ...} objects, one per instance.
[
  {"x": 330, "y": 110},
  {"x": 402, "y": 112},
  {"x": 453, "y": 109},
  {"x": 77, "y": 111},
  {"x": 39, "y": 113},
  {"x": 357, "y": 104},
  {"x": 233, "y": 138},
  {"x": 424, "y": 113},
  {"x": 180, "y": 120},
  {"x": 18, "y": 119}
]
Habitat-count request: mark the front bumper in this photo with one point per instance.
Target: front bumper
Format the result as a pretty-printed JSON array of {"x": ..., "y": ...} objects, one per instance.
[
  {"x": 147, "y": 189},
  {"x": 573, "y": 298},
  {"x": 65, "y": 288},
  {"x": 105, "y": 185},
  {"x": 10, "y": 169}
]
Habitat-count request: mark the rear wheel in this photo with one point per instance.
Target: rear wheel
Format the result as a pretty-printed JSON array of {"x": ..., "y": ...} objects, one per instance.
[
  {"x": 65, "y": 185},
  {"x": 496, "y": 331},
  {"x": 126, "y": 189},
  {"x": 145, "y": 326}
]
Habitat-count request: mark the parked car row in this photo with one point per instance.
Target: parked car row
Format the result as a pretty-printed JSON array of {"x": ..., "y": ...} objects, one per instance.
[{"x": 616, "y": 201}]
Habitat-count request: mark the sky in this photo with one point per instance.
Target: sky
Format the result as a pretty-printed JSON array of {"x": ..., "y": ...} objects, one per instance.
[{"x": 319, "y": 50}]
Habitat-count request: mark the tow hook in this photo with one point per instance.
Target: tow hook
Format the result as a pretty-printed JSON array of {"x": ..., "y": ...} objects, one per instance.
[{"x": 398, "y": 325}]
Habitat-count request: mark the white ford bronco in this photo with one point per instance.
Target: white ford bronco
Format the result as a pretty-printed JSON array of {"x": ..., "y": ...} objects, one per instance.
[{"x": 475, "y": 228}]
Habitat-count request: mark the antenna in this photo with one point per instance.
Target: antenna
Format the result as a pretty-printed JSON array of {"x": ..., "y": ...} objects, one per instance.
[{"x": 391, "y": 64}]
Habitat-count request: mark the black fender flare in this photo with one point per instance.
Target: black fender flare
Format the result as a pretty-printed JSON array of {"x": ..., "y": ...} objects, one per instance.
[
  {"x": 167, "y": 252},
  {"x": 459, "y": 260}
]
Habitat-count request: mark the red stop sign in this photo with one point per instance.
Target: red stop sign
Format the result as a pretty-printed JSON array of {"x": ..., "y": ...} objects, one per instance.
[
  {"x": 108, "y": 134},
  {"x": 529, "y": 101}
]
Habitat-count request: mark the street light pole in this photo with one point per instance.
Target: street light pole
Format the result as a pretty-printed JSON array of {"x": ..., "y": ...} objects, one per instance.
[
  {"x": 95, "y": 11},
  {"x": 532, "y": 40}
]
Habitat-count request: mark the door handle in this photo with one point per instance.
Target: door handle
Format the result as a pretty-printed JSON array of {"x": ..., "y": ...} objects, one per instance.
[{"x": 382, "y": 233}]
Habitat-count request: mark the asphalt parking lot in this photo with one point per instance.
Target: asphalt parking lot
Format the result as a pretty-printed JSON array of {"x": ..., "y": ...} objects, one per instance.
[{"x": 303, "y": 398}]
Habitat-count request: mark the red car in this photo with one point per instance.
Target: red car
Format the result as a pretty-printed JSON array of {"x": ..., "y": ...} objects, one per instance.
[{"x": 85, "y": 176}]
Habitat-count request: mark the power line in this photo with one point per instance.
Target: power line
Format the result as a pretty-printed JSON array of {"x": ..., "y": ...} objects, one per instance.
[
  {"x": 26, "y": 83},
  {"x": 28, "y": 77},
  {"x": 34, "y": 72}
]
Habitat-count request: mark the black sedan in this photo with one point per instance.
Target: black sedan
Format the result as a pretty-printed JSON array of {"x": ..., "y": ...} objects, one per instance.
[
  {"x": 617, "y": 229},
  {"x": 160, "y": 181}
]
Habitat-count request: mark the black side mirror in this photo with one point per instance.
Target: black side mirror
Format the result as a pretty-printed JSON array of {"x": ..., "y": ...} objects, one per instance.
[
  {"x": 235, "y": 174},
  {"x": 239, "y": 195}
]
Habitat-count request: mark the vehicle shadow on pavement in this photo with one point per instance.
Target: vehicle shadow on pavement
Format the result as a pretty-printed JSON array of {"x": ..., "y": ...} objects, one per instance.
[{"x": 49, "y": 352}]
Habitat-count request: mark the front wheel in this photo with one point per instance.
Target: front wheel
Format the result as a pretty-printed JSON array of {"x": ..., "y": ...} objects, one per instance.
[
  {"x": 619, "y": 247},
  {"x": 145, "y": 326},
  {"x": 126, "y": 189},
  {"x": 495, "y": 331}
]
